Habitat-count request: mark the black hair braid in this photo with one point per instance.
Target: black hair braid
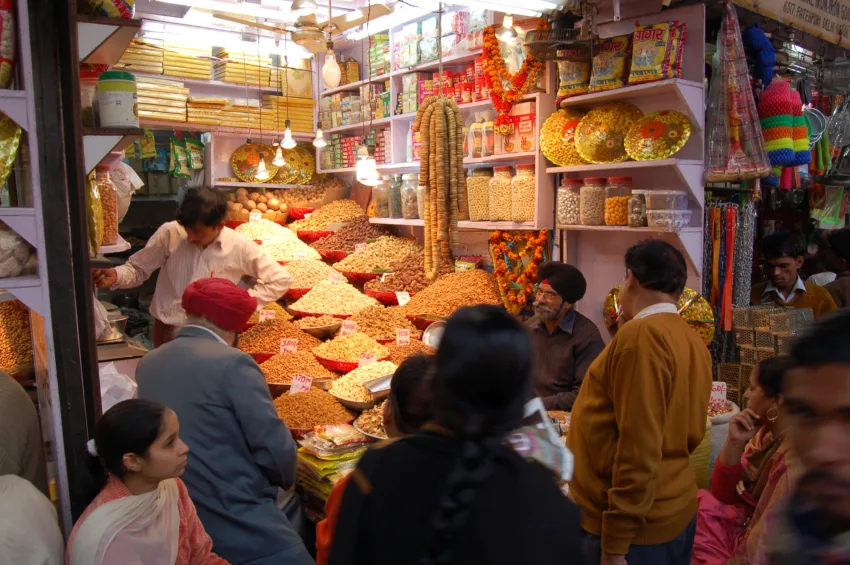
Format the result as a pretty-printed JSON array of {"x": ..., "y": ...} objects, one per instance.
[{"x": 471, "y": 471}]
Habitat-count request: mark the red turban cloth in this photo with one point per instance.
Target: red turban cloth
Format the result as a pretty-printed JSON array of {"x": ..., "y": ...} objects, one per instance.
[{"x": 221, "y": 302}]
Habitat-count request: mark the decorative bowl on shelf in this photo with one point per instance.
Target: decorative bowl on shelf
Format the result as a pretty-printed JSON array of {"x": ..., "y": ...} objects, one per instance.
[
  {"x": 659, "y": 135},
  {"x": 600, "y": 135},
  {"x": 246, "y": 159}
]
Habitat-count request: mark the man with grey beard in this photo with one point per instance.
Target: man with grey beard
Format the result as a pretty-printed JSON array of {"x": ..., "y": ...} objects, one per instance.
[{"x": 565, "y": 342}]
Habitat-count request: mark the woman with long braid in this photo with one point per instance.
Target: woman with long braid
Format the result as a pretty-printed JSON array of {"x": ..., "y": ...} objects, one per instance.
[{"x": 453, "y": 492}]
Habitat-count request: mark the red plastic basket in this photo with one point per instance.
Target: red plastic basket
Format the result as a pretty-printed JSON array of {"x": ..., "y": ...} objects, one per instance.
[
  {"x": 360, "y": 278},
  {"x": 300, "y": 213},
  {"x": 261, "y": 358},
  {"x": 311, "y": 236},
  {"x": 295, "y": 293},
  {"x": 384, "y": 297},
  {"x": 299, "y": 314},
  {"x": 233, "y": 224},
  {"x": 331, "y": 256},
  {"x": 340, "y": 366},
  {"x": 422, "y": 322}
]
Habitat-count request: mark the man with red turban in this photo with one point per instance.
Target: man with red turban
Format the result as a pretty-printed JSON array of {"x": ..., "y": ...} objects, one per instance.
[{"x": 241, "y": 453}]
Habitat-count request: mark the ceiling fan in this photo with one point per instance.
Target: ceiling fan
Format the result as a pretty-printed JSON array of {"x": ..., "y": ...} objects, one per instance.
[{"x": 306, "y": 31}]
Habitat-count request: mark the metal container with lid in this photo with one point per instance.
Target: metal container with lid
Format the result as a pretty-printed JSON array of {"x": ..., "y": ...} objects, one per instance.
[{"x": 409, "y": 207}]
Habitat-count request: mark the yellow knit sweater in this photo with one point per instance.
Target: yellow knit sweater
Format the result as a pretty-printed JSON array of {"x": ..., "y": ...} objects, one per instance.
[
  {"x": 640, "y": 413},
  {"x": 816, "y": 297}
]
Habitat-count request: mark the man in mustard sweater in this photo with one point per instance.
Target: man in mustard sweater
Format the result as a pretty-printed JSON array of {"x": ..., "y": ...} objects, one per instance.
[
  {"x": 639, "y": 415},
  {"x": 784, "y": 255}
]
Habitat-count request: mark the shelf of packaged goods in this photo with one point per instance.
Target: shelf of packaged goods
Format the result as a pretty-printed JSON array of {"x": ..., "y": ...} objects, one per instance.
[
  {"x": 238, "y": 90},
  {"x": 487, "y": 104},
  {"x": 221, "y": 131},
  {"x": 102, "y": 41},
  {"x": 22, "y": 221},
  {"x": 492, "y": 160},
  {"x": 672, "y": 94},
  {"x": 455, "y": 59},
  {"x": 464, "y": 225},
  {"x": 236, "y": 184},
  {"x": 630, "y": 229},
  {"x": 13, "y": 103},
  {"x": 359, "y": 126},
  {"x": 27, "y": 289},
  {"x": 354, "y": 85},
  {"x": 100, "y": 142}
]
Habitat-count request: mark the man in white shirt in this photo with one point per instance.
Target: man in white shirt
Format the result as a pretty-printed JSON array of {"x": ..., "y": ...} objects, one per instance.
[{"x": 197, "y": 245}]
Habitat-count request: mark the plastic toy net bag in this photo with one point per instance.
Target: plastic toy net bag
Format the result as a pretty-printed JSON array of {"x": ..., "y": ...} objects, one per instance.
[{"x": 734, "y": 139}]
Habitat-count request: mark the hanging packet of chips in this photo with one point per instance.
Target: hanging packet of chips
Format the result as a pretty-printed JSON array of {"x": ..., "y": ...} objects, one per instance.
[
  {"x": 179, "y": 159},
  {"x": 573, "y": 72},
  {"x": 195, "y": 153},
  {"x": 651, "y": 52},
  {"x": 610, "y": 63},
  {"x": 679, "y": 33},
  {"x": 147, "y": 146}
]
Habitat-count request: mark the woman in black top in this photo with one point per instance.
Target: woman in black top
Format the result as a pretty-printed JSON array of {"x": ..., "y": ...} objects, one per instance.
[{"x": 453, "y": 493}]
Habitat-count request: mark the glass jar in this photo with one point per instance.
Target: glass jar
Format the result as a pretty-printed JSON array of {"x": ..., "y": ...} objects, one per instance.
[
  {"x": 420, "y": 200},
  {"x": 394, "y": 183},
  {"x": 592, "y": 202},
  {"x": 523, "y": 190},
  {"x": 478, "y": 194},
  {"x": 381, "y": 198},
  {"x": 88, "y": 97},
  {"x": 500, "y": 194},
  {"x": 109, "y": 201},
  {"x": 617, "y": 194},
  {"x": 568, "y": 202},
  {"x": 637, "y": 209},
  {"x": 409, "y": 207}
]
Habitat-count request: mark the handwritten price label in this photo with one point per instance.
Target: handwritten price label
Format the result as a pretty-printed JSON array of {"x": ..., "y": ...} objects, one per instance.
[
  {"x": 348, "y": 328},
  {"x": 267, "y": 315},
  {"x": 718, "y": 390},
  {"x": 255, "y": 216},
  {"x": 299, "y": 255},
  {"x": 288, "y": 345},
  {"x": 385, "y": 275},
  {"x": 402, "y": 297},
  {"x": 300, "y": 383},
  {"x": 335, "y": 277},
  {"x": 358, "y": 247},
  {"x": 402, "y": 337},
  {"x": 367, "y": 359}
]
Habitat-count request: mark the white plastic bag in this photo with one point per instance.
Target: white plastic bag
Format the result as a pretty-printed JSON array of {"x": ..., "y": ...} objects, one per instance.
[
  {"x": 115, "y": 387},
  {"x": 127, "y": 182},
  {"x": 101, "y": 319}
]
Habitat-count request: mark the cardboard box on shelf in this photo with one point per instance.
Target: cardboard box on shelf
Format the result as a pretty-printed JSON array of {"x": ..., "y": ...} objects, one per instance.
[{"x": 524, "y": 123}]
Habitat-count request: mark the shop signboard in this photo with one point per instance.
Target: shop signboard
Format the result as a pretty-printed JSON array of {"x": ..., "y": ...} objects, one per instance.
[{"x": 826, "y": 19}]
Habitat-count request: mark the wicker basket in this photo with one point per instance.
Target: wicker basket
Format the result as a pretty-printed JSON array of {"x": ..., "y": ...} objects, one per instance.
[
  {"x": 749, "y": 355},
  {"x": 745, "y": 336}
]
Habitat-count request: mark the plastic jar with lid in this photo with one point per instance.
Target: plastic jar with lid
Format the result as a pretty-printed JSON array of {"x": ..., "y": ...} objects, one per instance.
[
  {"x": 617, "y": 194},
  {"x": 116, "y": 100},
  {"x": 394, "y": 183},
  {"x": 478, "y": 194},
  {"x": 88, "y": 96},
  {"x": 409, "y": 206},
  {"x": 381, "y": 198},
  {"x": 109, "y": 200},
  {"x": 592, "y": 202},
  {"x": 568, "y": 202},
  {"x": 500, "y": 194},
  {"x": 523, "y": 190},
  {"x": 637, "y": 209}
]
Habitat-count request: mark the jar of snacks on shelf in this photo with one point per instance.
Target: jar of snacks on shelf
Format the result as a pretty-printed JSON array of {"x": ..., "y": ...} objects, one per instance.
[
  {"x": 381, "y": 198},
  {"x": 420, "y": 200},
  {"x": 109, "y": 201},
  {"x": 637, "y": 209},
  {"x": 523, "y": 189},
  {"x": 592, "y": 202},
  {"x": 409, "y": 184},
  {"x": 394, "y": 187},
  {"x": 617, "y": 194},
  {"x": 478, "y": 194},
  {"x": 568, "y": 202},
  {"x": 500, "y": 194}
]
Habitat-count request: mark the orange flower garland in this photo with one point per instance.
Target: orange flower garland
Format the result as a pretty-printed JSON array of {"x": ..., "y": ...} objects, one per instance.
[
  {"x": 516, "y": 259},
  {"x": 495, "y": 73}
]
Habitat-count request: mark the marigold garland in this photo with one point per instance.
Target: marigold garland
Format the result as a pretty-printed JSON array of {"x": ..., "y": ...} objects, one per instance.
[
  {"x": 516, "y": 279},
  {"x": 495, "y": 73}
]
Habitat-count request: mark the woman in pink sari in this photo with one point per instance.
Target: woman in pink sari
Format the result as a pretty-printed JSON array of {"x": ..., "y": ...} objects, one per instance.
[
  {"x": 754, "y": 473},
  {"x": 142, "y": 514}
]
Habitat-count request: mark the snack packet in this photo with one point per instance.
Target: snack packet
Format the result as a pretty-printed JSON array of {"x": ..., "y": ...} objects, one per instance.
[
  {"x": 340, "y": 435},
  {"x": 179, "y": 165},
  {"x": 679, "y": 33},
  {"x": 573, "y": 72},
  {"x": 195, "y": 153},
  {"x": 609, "y": 63},
  {"x": 651, "y": 51},
  {"x": 147, "y": 145}
]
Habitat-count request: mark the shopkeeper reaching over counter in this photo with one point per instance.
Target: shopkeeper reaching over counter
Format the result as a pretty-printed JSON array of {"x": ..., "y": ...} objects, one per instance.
[
  {"x": 565, "y": 342},
  {"x": 195, "y": 246}
]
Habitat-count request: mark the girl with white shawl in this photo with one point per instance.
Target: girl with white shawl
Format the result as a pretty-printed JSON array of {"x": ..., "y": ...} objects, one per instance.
[{"x": 141, "y": 512}]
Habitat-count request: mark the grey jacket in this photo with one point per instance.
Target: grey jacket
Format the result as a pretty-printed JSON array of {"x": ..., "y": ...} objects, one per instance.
[{"x": 240, "y": 451}]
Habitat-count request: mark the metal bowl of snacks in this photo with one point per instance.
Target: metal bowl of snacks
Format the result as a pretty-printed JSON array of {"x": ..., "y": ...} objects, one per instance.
[
  {"x": 323, "y": 332},
  {"x": 355, "y": 405},
  {"x": 433, "y": 334}
]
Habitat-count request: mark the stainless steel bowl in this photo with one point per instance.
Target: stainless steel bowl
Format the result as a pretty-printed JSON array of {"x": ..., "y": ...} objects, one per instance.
[{"x": 433, "y": 334}]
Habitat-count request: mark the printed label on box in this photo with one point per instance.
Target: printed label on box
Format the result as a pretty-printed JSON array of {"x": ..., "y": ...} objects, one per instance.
[
  {"x": 288, "y": 345},
  {"x": 267, "y": 315},
  {"x": 300, "y": 383}
]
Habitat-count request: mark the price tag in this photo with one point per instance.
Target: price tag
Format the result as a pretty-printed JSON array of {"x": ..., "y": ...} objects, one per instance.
[
  {"x": 335, "y": 277},
  {"x": 718, "y": 390},
  {"x": 300, "y": 383},
  {"x": 255, "y": 216},
  {"x": 267, "y": 315},
  {"x": 358, "y": 247},
  {"x": 307, "y": 215},
  {"x": 402, "y": 297},
  {"x": 348, "y": 328},
  {"x": 385, "y": 275},
  {"x": 367, "y": 359},
  {"x": 299, "y": 255},
  {"x": 402, "y": 337},
  {"x": 288, "y": 345}
]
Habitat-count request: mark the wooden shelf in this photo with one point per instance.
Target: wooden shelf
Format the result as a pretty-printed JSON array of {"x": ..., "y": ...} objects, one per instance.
[
  {"x": 238, "y": 184},
  {"x": 360, "y": 125},
  {"x": 629, "y": 165},
  {"x": 102, "y": 41},
  {"x": 222, "y": 131},
  {"x": 13, "y": 103},
  {"x": 413, "y": 166},
  {"x": 456, "y": 59},
  {"x": 27, "y": 289},
  {"x": 630, "y": 229},
  {"x": 100, "y": 142},
  {"x": 464, "y": 225},
  {"x": 238, "y": 89},
  {"x": 354, "y": 85},
  {"x": 22, "y": 221}
]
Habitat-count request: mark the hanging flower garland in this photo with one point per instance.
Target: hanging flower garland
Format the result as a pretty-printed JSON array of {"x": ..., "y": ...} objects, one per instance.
[
  {"x": 495, "y": 73},
  {"x": 516, "y": 259}
]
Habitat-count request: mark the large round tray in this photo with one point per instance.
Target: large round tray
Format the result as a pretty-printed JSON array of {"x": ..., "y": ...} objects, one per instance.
[
  {"x": 310, "y": 236},
  {"x": 340, "y": 366},
  {"x": 332, "y": 256},
  {"x": 360, "y": 278},
  {"x": 385, "y": 297},
  {"x": 299, "y": 314}
]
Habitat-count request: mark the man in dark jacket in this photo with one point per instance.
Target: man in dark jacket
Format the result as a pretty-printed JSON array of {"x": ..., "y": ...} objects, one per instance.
[{"x": 565, "y": 342}]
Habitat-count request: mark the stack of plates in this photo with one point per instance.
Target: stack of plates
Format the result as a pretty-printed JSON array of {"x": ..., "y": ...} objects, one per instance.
[
  {"x": 186, "y": 61},
  {"x": 142, "y": 56},
  {"x": 161, "y": 99}
]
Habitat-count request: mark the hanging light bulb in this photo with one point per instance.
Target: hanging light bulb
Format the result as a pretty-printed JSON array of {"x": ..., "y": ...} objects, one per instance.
[
  {"x": 288, "y": 142},
  {"x": 262, "y": 173},
  {"x": 507, "y": 32},
  {"x": 278, "y": 160},
  {"x": 303, "y": 8},
  {"x": 330, "y": 69},
  {"x": 366, "y": 168},
  {"x": 320, "y": 137},
  {"x": 361, "y": 171}
]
